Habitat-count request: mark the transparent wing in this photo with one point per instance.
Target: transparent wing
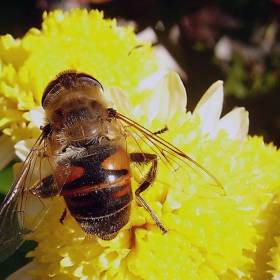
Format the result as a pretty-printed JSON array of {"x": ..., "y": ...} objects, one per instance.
[
  {"x": 188, "y": 175},
  {"x": 28, "y": 199}
]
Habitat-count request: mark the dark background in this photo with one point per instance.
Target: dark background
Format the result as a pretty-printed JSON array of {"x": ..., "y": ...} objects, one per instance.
[
  {"x": 201, "y": 24},
  {"x": 209, "y": 21}
]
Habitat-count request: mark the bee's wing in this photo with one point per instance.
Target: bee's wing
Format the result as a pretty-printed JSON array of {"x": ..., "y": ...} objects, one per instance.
[
  {"x": 184, "y": 169},
  {"x": 26, "y": 203}
]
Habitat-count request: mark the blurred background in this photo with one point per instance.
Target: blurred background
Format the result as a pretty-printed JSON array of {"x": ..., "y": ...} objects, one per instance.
[{"x": 236, "y": 41}]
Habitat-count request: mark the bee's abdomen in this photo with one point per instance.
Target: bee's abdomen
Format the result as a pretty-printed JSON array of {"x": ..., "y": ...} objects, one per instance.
[{"x": 98, "y": 191}]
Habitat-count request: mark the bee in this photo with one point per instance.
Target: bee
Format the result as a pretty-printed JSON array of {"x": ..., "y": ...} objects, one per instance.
[{"x": 83, "y": 155}]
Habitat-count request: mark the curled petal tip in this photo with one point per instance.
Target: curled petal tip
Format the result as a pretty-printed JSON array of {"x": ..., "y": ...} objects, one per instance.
[
  {"x": 212, "y": 100},
  {"x": 168, "y": 97},
  {"x": 210, "y": 107},
  {"x": 236, "y": 123}
]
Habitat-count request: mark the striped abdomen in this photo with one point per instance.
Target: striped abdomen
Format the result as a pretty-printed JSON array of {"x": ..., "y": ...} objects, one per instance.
[{"x": 98, "y": 192}]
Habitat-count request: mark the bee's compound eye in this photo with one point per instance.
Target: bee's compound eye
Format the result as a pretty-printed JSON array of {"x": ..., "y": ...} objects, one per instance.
[
  {"x": 88, "y": 80},
  {"x": 68, "y": 81},
  {"x": 51, "y": 88}
]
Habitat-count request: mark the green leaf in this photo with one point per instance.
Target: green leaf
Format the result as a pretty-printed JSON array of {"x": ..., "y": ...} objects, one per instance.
[{"x": 6, "y": 178}]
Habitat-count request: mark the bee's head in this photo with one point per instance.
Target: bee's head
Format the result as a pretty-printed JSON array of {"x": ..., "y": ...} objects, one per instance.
[
  {"x": 74, "y": 102},
  {"x": 69, "y": 81}
]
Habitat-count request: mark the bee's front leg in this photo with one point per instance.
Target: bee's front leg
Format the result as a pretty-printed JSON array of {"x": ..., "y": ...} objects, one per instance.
[
  {"x": 149, "y": 178},
  {"x": 45, "y": 188}
]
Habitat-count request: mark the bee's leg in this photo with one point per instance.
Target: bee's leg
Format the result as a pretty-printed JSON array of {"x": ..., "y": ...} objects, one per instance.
[
  {"x": 45, "y": 188},
  {"x": 63, "y": 216},
  {"x": 161, "y": 131},
  {"x": 143, "y": 158}
]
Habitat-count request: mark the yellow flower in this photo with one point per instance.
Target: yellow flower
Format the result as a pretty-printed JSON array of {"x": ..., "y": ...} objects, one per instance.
[
  {"x": 76, "y": 40},
  {"x": 211, "y": 235},
  {"x": 275, "y": 251}
]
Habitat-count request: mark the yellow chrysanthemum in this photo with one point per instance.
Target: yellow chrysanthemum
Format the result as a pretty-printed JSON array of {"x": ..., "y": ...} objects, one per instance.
[
  {"x": 274, "y": 253},
  {"x": 76, "y": 40},
  {"x": 210, "y": 236}
]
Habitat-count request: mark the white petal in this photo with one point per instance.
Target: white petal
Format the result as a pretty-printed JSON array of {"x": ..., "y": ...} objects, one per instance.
[
  {"x": 236, "y": 123},
  {"x": 210, "y": 107},
  {"x": 22, "y": 273},
  {"x": 167, "y": 64},
  {"x": 153, "y": 79},
  {"x": 168, "y": 97},
  {"x": 23, "y": 148},
  {"x": 118, "y": 100},
  {"x": 147, "y": 35},
  {"x": 37, "y": 116},
  {"x": 167, "y": 61},
  {"x": 7, "y": 152}
]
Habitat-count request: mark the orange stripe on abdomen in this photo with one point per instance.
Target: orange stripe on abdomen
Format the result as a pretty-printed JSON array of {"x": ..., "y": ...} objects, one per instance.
[
  {"x": 76, "y": 172},
  {"x": 124, "y": 189}
]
